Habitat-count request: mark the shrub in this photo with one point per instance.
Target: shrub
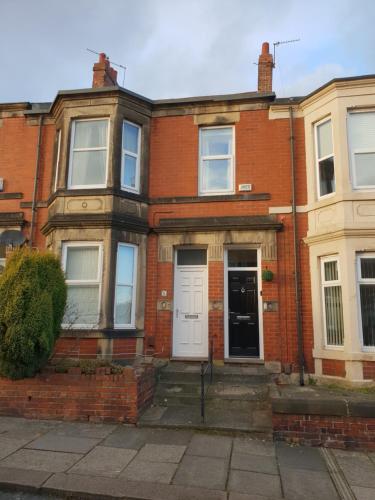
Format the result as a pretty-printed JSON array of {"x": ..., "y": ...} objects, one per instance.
[{"x": 32, "y": 303}]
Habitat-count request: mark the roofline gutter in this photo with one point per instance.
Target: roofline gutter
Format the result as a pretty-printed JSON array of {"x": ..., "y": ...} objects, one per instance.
[
  {"x": 297, "y": 287},
  {"x": 36, "y": 178}
]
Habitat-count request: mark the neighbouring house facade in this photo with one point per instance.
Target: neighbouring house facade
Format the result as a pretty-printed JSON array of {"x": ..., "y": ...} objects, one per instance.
[{"x": 242, "y": 223}]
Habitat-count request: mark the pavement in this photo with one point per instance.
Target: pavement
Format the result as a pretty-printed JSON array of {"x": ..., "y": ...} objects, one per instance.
[{"x": 50, "y": 459}]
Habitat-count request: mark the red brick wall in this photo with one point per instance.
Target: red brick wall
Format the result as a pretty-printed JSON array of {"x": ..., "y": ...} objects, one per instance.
[
  {"x": 333, "y": 367},
  {"x": 369, "y": 370},
  {"x": 73, "y": 396},
  {"x": 328, "y": 431}
]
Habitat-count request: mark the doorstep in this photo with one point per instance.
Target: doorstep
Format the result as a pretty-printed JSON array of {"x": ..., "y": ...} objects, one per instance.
[{"x": 250, "y": 361}]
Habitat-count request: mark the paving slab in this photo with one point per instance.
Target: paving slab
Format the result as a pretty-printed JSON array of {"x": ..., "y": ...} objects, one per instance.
[
  {"x": 22, "y": 428},
  {"x": 254, "y": 447},
  {"x": 161, "y": 453},
  {"x": 104, "y": 461},
  {"x": 241, "y": 496},
  {"x": 254, "y": 483},
  {"x": 210, "y": 446},
  {"x": 121, "y": 488},
  {"x": 359, "y": 470},
  {"x": 210, "y": 473},
  {"x": 300, "y": 457},
  {"x": 134, "y": 438},
  {"x": 55, "y": 442},
  {"x": 84, "y": 430},
  {"x": 254, "y": 463},
  {"x": 303, "y": 484},
  {"x": 362, "y": 493},
  {"x": 22, "y": 477},
  {"x": 49, "y": 461},
  {"x": 10, "y": 445},
  {"x": 154, "y": 472}
]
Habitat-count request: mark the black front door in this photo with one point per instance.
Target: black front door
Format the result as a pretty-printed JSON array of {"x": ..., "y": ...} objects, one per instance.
[{"x": 243, "y": 314}]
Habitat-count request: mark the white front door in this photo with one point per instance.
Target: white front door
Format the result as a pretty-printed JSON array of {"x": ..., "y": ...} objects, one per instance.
[{"x": 190, "y": 319}]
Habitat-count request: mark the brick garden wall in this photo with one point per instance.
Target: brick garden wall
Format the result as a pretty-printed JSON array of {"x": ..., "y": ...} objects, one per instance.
[
  {"x": 101, "y": 397},
  {"x": 325, "y": 430}
]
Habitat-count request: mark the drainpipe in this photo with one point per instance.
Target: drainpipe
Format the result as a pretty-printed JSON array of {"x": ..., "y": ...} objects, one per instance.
[
  {"x": 301, "y": 360},
  {"x": 36, "y": 178}
]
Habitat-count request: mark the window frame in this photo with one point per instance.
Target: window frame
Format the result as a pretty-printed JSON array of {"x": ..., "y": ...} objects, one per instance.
[
  {"x": 318, "y": 160},
  {"x": 231, "y": 157},
  {"x": 363, "y": 281},
  {"x": 124, "y": 152},
  {"x": 131, "y": 325},
  {"x": 57, "y": 160},
  {"x": 352, "y": 152},
  {"x": 327, "y": 284},
  {"x": 101, "y": 148},
  {"x": 98, "y": 281}
]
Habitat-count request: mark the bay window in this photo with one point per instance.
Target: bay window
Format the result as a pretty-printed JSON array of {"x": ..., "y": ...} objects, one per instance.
[
  {"x": 325, "y": 163},
  {"x": 216, "y": 160},
  {"x": 130, "y": 161},
  {"x": 125, "y": 290},
  {"x": 366, "y": 286},
  {"x": 332, "y": 302},
  {"x": 88, "y": 154},
  {"x": 361, "y": 136},
  {"x": 82, "y": 263}
]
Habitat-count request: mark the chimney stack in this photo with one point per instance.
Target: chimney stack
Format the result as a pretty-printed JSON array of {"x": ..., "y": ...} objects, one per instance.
[
  {"x": 265, "y": 67},
  {"x": 103, "y": 74}
]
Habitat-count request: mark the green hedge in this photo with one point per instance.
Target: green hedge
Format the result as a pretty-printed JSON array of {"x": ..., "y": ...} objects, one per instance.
[{"x": 32, "y": 303}]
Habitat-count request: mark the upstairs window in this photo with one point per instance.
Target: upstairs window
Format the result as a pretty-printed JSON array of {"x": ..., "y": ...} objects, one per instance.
[
  {"x": 88, "y": 154},
  {"x": 366, "y": 284},
  {"x": 332, "y": 302},
  {"x": 130, "y": 163},
  {"x": 325, "y": 158},
  {"x": 216, "y": 160},
  {"x": 361, "y": 132},
  {"x": 58, "y": 145}
]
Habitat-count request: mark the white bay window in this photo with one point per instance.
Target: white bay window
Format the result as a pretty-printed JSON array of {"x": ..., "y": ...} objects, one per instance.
[
  {"x": 125, "y": 291},
  {"x": 366, "y": 285},
  {"x": 361, "y": 134},
  {"x": 82, "y": 263},
  {"x": 332, "y": 302},
  {"x": 88, "y": 154},
  {"x": 130, "y": 162},
  {"x": 325, "y": 163}
]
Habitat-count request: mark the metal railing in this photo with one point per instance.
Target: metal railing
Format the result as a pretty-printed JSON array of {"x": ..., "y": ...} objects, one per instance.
[{"x": 206, "y": 368}]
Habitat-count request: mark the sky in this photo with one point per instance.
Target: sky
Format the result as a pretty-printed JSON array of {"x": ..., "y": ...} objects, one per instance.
[{"x": 180, "y": 48}]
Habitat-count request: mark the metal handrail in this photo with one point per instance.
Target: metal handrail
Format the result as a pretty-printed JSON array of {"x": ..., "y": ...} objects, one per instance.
[{"x": 206, "y": 367}]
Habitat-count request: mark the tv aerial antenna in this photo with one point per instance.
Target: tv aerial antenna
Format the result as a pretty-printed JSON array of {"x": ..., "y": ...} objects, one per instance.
[
  {"x": 283, "y": 42},
  {"x": 114, "y": 64}
]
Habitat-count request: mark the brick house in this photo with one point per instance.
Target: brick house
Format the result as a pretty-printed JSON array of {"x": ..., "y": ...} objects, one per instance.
[{"x": 189, "y": 223}]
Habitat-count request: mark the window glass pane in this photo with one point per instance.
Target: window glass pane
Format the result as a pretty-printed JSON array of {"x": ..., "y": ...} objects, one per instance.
[
  {"x": 130, "y": 169},
  {"x": 331, "y": 271},
  {"x": 367, "y": 293},
  {"x": 82, "y": 305},
  {"x": 89, "y": 168},
  {"x": 2, "y": 265},
  {"x": 125, "y": 263},
  {"x": 334, "y": 316},
  {"x": 362, "y": 130},
  {"x": 242, "y": 258},
  {"x": 123, "y": 307},
  {"x": 216, "y": 175},
  {"x": 82, "y": 263},
  {"x": 325, "y": 147},
  {"x": 365, "y": 168},
  {"x": 367, "y": 268},
  {"x": 216, "y": 141},
  {"x": 91, "y": 134},
  {"x": 192, "y": 257},
  {"x": 2, "y": 251},
  {"x": 326, "y": 176},
  {"x": 130, "y": 138}
]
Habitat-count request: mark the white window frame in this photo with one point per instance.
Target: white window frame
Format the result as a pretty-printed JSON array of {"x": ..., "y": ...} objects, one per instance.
[
  {"x": 124, "y": 151},
  {"x": 363, "y": 281},
  {"x": 96, "y": 282},
  {"x": 101, "y": 148},
  {"x": 57, "y": 159},
  {"x": 131, "y": 325},
  {"x": 352, "y": 152},
  {"x": 231, "y": 189},
  {"x": 329, "y": 284},
  {"x": 317, "y": 159}
]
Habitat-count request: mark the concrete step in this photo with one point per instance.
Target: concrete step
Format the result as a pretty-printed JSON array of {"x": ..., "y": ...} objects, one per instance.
[{"x": 180, "y": 377}]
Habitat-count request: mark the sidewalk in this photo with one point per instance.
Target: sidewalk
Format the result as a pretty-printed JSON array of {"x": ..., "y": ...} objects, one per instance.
[{"x": 115, "y": 461}]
